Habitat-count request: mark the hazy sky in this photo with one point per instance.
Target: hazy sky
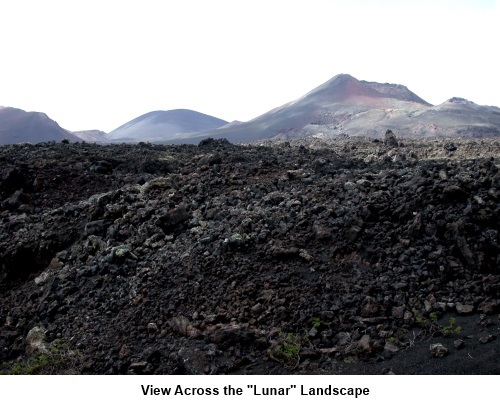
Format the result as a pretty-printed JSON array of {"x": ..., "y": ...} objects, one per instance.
[{"x": 96, "y": 64}]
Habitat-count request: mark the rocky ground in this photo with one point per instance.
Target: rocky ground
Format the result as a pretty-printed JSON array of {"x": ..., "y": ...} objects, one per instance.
[{"x": 317, "y": 257}]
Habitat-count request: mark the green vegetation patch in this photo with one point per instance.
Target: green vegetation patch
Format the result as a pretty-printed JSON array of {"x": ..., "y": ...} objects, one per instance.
[{"x": 58, "y": 359}]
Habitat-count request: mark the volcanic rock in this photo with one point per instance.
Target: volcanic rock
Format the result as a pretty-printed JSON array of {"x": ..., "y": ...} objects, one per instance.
[
  {"x": 36, "y": 340},
  {"x": 283, "y": 257},
  {"x": 390, "y": 139},
  {"x": 464, "y": 309},
  {"x": 438, "y": 350}
]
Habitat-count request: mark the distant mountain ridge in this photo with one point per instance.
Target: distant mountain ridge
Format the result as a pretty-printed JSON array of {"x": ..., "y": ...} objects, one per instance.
[
  {"x": 17, "y": 126},
  {"x": 341, "y": 106},
  {"x": 160, "y": 126}
]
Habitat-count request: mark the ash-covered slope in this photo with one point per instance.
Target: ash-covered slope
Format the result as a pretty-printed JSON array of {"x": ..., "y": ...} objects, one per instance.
[
  {"x": 92, "y": 135},
  {"x": 329, "y": 105},
  {"x": 347, "y": 106},
  {"x": 460, "y": 117},
  {"x": 345, "y": 257},
  {"x": 161, "y": 126},
  {"x": 18, "y": 126}
]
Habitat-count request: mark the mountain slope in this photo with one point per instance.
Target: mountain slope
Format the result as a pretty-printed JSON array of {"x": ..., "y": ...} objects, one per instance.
[
  {"x": 92, "y": 135},
  {"x": 328, "y": 105},
  {"x": 344, "y": 105},
  {"x": 160, "y": 126},
  {"x": 463, "y": 117},
  {"x": 17, "y": 126}
]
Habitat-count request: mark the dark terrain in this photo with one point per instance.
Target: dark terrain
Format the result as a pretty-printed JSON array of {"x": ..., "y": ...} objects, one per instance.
[{"x": 316, "y": 257}]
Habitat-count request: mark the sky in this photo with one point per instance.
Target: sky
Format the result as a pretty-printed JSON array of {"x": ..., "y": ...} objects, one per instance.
[{"x": 96, "y": 64}]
